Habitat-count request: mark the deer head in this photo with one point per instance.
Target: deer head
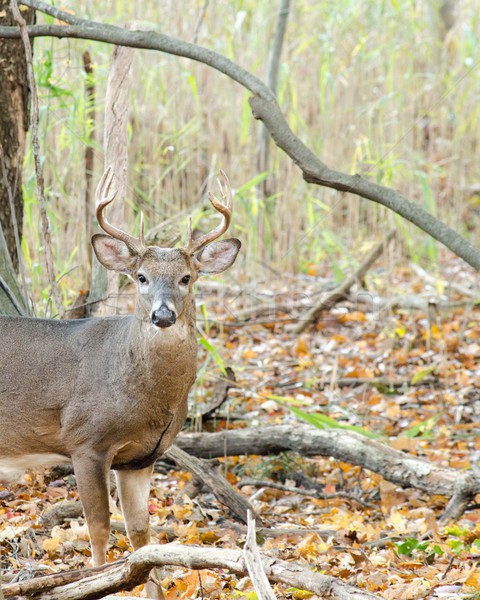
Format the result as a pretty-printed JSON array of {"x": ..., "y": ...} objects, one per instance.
[{"x": 164, "y": 276}]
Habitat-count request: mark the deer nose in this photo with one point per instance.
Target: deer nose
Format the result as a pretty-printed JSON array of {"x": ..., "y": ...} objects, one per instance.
[{"x": 163, "y": 316}]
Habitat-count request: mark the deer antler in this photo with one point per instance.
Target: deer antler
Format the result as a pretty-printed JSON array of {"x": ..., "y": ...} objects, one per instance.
[
  {"x": 104, "y": 198},
  {"x": 193, "y": 245}
]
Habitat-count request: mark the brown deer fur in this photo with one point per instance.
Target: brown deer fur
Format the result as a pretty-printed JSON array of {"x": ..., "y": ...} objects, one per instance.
[{"x": 108, "y": 392}]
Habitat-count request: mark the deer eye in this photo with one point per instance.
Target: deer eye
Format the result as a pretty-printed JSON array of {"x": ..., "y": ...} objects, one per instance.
[
  {"x": 186, "y": 279},
  {"x": 142, "y": 278}
]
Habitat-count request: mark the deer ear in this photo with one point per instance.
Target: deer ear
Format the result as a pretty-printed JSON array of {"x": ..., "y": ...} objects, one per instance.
[
  {"x": 113, "y": 254},
  {"x": 217, "y": 256}
]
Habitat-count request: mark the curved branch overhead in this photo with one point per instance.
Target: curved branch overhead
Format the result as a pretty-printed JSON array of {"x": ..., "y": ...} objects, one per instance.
[{"x": 265, "y": 108}]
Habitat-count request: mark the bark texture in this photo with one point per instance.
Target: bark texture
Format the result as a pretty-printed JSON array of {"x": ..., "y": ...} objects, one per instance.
[
  {"x": 105, "y": 284},
  {"x": 126, "y": 574},
  {"x": 400, "y": 468},
  {"x": 14, "y": 122}
]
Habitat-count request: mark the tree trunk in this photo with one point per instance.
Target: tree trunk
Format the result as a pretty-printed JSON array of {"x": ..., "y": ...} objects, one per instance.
[{"x": 14, "y": 123}]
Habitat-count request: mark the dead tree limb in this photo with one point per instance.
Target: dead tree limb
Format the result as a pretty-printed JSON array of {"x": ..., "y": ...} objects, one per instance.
[
  {"x": 303, "y": 492},
  {"x": 223, "y": 491},
  {"x": 115, "y": 146},
  {"x": 253, "y": 562},
  {"x": 405, "y": 470},
  {"x": 264, "y": 107},
  {"x": 340, "y": 292},
  {"x": 133, "y": 570},
  {"x": 67, "y": 511}
]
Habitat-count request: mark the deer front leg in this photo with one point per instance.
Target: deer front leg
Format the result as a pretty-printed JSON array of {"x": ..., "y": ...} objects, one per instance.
[
  {"x": 133, "y": 490},
  {"x": 91, "y": 471}
]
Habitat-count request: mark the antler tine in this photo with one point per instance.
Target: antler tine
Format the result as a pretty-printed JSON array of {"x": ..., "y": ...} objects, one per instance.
[
  {"x": 103, "y": 198},
  {"x": 225, "y": 210}
]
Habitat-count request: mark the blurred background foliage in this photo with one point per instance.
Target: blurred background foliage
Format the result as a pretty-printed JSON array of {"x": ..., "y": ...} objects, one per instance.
[{"x": 388, "y": 88}]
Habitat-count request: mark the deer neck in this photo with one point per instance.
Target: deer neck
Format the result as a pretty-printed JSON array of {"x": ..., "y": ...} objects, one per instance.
[{"x": 150, "y": 345}]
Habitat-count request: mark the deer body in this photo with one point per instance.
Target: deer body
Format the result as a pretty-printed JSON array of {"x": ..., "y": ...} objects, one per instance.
[
  {"x": 110, "y": 392},
  {"x": 131, "y": 379}
]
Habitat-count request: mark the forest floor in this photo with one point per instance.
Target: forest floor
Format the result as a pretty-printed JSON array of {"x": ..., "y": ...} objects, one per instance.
[{"x": 406, "y": 370}]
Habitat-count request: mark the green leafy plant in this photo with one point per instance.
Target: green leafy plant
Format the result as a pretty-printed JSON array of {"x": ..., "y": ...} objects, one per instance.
[
  {"x": 415, "y": 548},
  {"x": 214, "y": 353},
  {"x": 324, "y": 422},
  {"x": 424, "y": 429}
]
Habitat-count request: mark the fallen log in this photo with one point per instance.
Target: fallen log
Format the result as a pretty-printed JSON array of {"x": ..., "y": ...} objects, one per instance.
[
  {"x": 400, "y": 468},
  {"x": 134, "y": 570}
]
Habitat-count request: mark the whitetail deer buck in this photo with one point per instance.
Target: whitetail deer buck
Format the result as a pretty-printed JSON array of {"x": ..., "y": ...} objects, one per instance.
[{"x": 110, "y": 392}]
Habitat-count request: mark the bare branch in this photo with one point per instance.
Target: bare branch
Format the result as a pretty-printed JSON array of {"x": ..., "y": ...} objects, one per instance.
[
  {"x": 253, "y": 561},
  {"x": 303, "y": 492},
  {"x": 265, "y": 108},
  {"x": 313, "y": 313}
]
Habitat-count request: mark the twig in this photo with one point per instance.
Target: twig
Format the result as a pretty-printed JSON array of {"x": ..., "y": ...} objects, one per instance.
[
  {"x": 57, "y": 298},
  {"x": 201, "y": 17},
  {"x": 301, "y": 492},
  {"x": 410, "y": 302},
  {"x": 266, "y": 322},
  {"x": 339, "y": 293},
  {"x": 457, "y": 287},
  {"x": 11, "y": 296},
  {"x": 255, "y": 568},
  {"x": 449, "y": 566},
  {"x": 459, "y": 501},
  {"x": 200, "y": 584},
  {"x": 377, "y": 382}
]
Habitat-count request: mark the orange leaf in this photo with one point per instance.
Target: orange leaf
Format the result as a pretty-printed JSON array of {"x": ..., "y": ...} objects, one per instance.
[
  {"x": 301, "y": 347},
  {"x": 231, "y": 478},
  {"x": 52, "y": 546},
  {"x": 355, "y": 316}
]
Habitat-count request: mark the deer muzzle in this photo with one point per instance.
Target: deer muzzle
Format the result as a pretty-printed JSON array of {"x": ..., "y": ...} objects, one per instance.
[{"x": 163, "y": 316}]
